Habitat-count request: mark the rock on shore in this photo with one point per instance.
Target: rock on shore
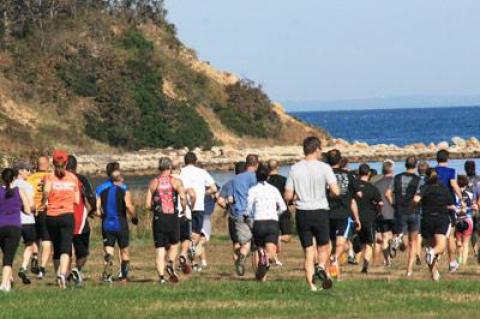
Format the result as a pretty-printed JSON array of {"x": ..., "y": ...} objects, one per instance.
[{"x": 224, "y": 157}]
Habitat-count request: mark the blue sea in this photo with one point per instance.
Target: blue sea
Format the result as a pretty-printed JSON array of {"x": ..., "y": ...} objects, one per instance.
[{"x": 398, "y": 126}]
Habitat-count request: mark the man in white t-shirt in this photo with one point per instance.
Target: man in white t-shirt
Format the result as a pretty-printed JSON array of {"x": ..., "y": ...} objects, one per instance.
[
  {"x": 307, "y": 184},
  {"x": 29, "y": 234},
  {"x": 202, "y": 183}
]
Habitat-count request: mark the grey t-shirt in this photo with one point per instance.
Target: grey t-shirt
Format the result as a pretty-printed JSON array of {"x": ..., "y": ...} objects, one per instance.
[
  {"x": 382, "y": 185},
  {"x": 309, "y": 181}
]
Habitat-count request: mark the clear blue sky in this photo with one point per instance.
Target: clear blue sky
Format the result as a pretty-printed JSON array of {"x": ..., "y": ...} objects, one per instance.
[{"x": 316, "y": 50}]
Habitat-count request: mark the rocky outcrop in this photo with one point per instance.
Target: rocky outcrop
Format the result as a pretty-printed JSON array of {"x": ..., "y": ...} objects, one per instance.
[{"x": 224, "y": 157}]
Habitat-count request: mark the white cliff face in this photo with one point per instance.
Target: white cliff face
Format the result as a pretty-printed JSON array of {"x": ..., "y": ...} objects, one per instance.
[{"x": 224, "y": 157}]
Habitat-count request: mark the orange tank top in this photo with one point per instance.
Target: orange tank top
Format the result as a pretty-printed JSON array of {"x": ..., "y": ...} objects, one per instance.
[{"x": 61, "y": 198}]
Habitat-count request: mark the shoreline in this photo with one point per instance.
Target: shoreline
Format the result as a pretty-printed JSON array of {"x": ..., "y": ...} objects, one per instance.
[{"x": 222, "y": 158}]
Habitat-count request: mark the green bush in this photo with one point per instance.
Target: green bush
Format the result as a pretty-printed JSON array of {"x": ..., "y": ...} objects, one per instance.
[{"x": 248, "y": 111}]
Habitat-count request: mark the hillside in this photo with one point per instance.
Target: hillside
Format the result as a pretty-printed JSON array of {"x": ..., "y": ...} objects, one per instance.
[{"x": 98, "y": 78}]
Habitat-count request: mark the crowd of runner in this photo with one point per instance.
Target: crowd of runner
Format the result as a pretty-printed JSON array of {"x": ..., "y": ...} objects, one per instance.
[{"x": 341, "y": 216}]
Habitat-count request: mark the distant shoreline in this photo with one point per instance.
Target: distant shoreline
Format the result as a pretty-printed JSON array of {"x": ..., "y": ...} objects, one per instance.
[{"x": 223, "y": 158}]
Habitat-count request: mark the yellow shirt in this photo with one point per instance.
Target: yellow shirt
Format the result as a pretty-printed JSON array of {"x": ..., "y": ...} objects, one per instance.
[{"x": 37, "y": 180}]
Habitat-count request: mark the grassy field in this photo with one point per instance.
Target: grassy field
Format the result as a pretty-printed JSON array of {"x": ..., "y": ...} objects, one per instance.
[{"x": 217, "y": 293}]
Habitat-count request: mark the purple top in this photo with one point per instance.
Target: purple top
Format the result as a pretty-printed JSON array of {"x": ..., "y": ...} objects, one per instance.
[{"x": 10, "y": 208}]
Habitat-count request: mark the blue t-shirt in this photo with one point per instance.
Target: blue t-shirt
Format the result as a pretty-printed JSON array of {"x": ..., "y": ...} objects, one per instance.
[
  {"x": 445, "y": 175},
  {"x": 239, "y": 190},
  {"x": 209, "y": 203},
  {"x": 107, "y": 184}
]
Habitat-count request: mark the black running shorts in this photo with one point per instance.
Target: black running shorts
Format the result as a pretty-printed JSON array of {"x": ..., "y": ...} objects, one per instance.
[
  {"x": 81, "y": 244},
  {"x": 164, "y": 237},
  {"x": 285, "y": 223},
  {"x": 60, "y": 230},
  {"x": 313, "y": 224},
  {"x": 41, "y": 227},
  {"x": 367, "y": 233},
  {"x": 185, "y": 229},
  {"x": 265, "y": 231},
  {"x": 121, "y": 237},
  {"x": 9, "y": 240},
  {"x": 29, "y": 234},
  {"x": 435, "y": 225},
  {"x": 385, "y": 225},
  {"x": 197, "y": 221},
  {"x": 339, "y": 228},
  {"x": 232, "y": 231}
]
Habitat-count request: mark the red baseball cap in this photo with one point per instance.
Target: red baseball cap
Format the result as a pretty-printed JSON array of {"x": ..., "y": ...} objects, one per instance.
[{"x": 60, "y": 156}]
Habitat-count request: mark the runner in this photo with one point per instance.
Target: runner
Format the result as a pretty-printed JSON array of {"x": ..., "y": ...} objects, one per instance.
[
  {"x": 29, "y": 235},
  {"x": 210, "y": 204},
  {"x": 436, "y": 201},
  {"x": 369, "y": 206},
  {"x": 466, "y": 209},
  {"x": 285, "y": 219},
  {"x": 81, "y": 230},
  {"x": 226, "y": 202},
  {"x": 37, "y": 180},
  {"x": 59, "y": 197},
  {"x": 12, "y": 199},
  {"x": 386, "y": 220},
  {"x": 113, "y": 205},
  {"x": 423, "y": 166},
  {"x": 342, "y": 210},
  {"x": 202, "y": 183},
  {"x": 447, "y": 176},
  {"x": 400, "y": 194},
  {"x": 307, "y": 184},
  {"x": 162, "y": 198},
  {"x": 264, "y": 204},
  {"x": 185, "y": 215},
  {"x": 474, "y": 187},
  {"x": 238, "y": 194}
]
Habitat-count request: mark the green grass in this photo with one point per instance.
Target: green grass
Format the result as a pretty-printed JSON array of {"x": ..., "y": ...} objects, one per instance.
[{"x": 201, "y": 298}]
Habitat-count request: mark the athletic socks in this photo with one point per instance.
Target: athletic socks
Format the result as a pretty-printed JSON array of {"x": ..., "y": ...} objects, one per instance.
[{"x": 124, "y": 268}]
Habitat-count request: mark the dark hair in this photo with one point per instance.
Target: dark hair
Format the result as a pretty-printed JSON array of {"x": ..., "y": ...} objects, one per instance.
[
  {"x": 387, "y": 167},
  {"x": 334, "y": 157},
  {"x": 411, "y": 162},
  {"x": 470, "y": 168},
  {"x": 311, "y": 144},
  {"x": 344, "y": 162},
  {"x": 112, "y": 167},
  {"x": 8, "y": 175},
  {"x": 442, "y": 156},
  {"x": 72, "y": 163},
  {"x": 364, "y": 169},
  {"x": 240, "y": 167},
  {"x": 432, "y": 176},
  {"x": 251, "y": 160},
  {"x": 462, "y": 181},
  {"x": 262, "y": 173},
  {"x": 190, "y": 158}
]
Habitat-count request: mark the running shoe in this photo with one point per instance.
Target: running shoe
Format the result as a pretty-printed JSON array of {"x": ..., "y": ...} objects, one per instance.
[
  {"x": 435, "y": 275},
  {"x": 365, "y": 268},
  {"x": 184, "y": 266},
  {"x": 409, "y": 274},
  {"x": 203, "y": 263},
  {"x": 162, "y": 281},
  {"x": 240, "y": 265},
  {"x": 34, "y": 267},
  {"x": 327, "y": 282},
  {"x": 107, "y": 278},
  {"x": 262, "y": 265},
  {"x": 453, "y": 266},
  {"x": 41, "y": 273},
  {"x": 313, "y": 288},
  {"x": 429, "y": 256},
  {"x": 277, "y": 263},
  {"x": 171, "y": 273},
  {"x": 23, "y": 275},
  {"x": 61, "y": 282},
  {"x": 5, "y": 289},
  {"x": 352, "y": 260},
  {"x": 392, "y": 248},
  {"x": 333, "y": 269},
  {"x": 77, "y": 277},
  {"x": 418, "y": 260}
]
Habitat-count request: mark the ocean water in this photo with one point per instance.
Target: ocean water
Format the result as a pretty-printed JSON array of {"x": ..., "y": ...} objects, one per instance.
[{"x": 399, "y": 126}]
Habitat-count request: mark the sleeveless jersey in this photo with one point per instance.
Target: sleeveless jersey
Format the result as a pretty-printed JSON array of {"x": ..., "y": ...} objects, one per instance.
[
  {"x": 165, "y": 197},
  {"x": 114, "y": 217}
]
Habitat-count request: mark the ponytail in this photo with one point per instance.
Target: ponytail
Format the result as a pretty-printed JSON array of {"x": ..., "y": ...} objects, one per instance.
[
  {"x": 8, "y": 175},
  {"x": 432, "y": 176}
]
